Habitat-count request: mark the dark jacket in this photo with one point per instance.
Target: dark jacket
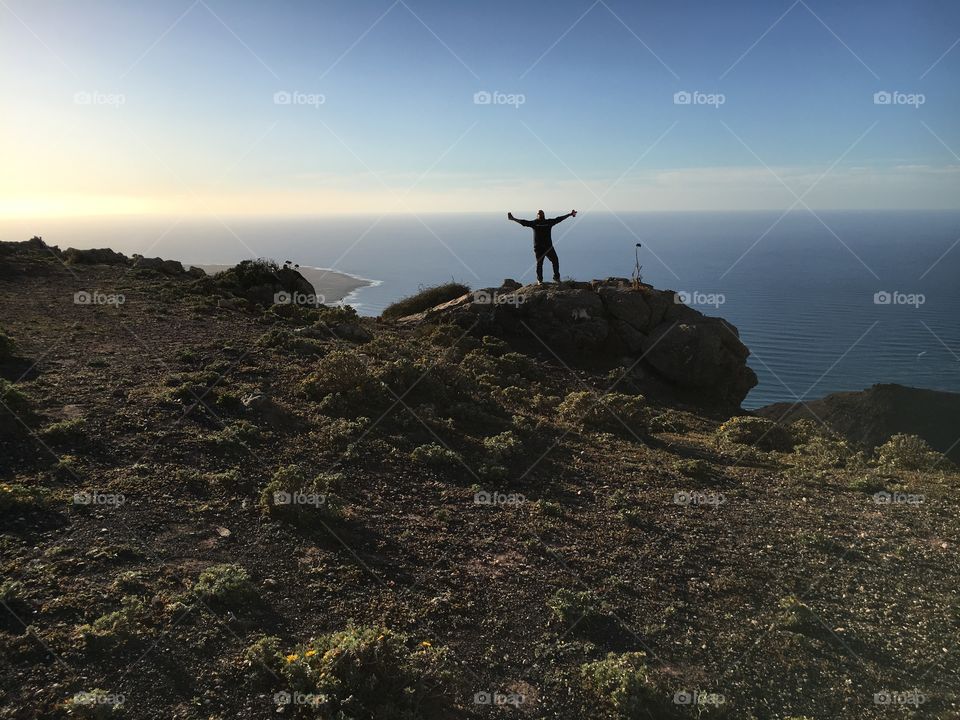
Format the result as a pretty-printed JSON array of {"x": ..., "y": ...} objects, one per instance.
[{"x": 542, "y": 239}]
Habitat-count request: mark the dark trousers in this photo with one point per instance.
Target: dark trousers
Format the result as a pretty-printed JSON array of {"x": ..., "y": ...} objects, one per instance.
[{"x": 551, "y": 255}]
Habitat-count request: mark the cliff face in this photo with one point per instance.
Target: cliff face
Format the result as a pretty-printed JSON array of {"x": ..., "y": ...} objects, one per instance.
[{"x": 605, "y": 323}]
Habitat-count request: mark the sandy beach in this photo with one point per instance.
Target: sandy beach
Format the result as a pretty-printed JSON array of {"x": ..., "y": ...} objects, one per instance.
[{"x": 333, "y": 286}]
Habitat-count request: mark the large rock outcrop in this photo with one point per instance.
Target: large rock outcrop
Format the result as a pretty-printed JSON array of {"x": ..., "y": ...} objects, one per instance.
[{"x": 608, "y": 323}]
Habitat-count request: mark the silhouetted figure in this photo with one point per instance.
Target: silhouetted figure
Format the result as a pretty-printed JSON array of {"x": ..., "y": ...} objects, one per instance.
[{"x": 543, "y": 241}]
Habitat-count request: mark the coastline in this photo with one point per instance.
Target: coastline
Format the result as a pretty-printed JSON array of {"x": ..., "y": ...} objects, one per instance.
[{"x": 334, "y": 285}]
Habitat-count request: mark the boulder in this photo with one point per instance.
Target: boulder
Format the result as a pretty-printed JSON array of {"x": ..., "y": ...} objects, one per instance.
[
  {"x": 168, "y": 267},
  {"x": 610, "y": 323},
  {"x": 95, "y": 256}
]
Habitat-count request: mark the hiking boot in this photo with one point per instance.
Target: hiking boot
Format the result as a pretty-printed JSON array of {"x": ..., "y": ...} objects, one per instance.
[
  {"x": 556, "y": 279},
  {"x": 539, "y": 282}
]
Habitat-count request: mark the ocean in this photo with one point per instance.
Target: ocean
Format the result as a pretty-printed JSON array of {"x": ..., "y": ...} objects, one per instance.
[{"x": 825, "y": 302}]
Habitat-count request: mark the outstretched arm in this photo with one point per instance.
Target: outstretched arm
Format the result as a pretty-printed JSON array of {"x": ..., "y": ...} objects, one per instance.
[
  {"x": 525, "y": 223},
  {"x": 572, "y": 213}
]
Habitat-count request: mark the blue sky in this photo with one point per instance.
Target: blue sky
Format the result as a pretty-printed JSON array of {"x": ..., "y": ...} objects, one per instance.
[{"x": 135, "y": 106}]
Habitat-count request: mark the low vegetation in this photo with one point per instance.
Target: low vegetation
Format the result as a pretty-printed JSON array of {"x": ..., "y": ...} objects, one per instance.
[{"x": 424, "y": 299}]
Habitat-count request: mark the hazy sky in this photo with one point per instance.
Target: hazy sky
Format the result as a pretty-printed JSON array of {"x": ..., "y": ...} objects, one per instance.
[{"x": 289, "y": 106}]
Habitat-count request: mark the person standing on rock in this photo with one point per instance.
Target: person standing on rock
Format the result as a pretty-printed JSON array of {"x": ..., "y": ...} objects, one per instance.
[{"x": 543, "y": 241}]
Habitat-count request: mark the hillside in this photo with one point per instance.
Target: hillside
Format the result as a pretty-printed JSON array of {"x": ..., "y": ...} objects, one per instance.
[{"x": 208, "y": 501}]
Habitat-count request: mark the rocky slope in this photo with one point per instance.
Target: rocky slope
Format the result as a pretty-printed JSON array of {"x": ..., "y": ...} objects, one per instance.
[
  {"x": 212, "y": 509},
  {"x": 672, "y": 349}
]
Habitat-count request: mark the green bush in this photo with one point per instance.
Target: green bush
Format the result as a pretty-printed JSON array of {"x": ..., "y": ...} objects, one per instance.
[
  {"x": 66, "y": 433},
  {"x": 15, "y": 497},
  {"x": 294, "y": 496},
  {"x": 424, "y": 299},
  {"x": 14, "y": 400},
  {"x": 668, "y": 421},
  {"x": 755, "y": 432},
  {"x": 499, "y": 369},
  {"x": 798, "y": 617},
  {"x": 436, "y": 456},
  {"x": 910, "y": 452},
  {"x": 371, "y": 672},
  {"x": 115, "y": 628},
  {"x": 248, "y": 274},
  {"x": 503, "y": 448},
  {"x": 264, "y": 660},
  {"x": 621, "y": 684},
  {"x": 822, "y": 453},
  {"x": 695, "y": 468},
  {"x": 572, "y": 607},
  {"x": 344, "y": 382},
  {"x": 227, "y": 587},
  {"x": 613, "y": 412},
  {"x": 234, "y": 438}
]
